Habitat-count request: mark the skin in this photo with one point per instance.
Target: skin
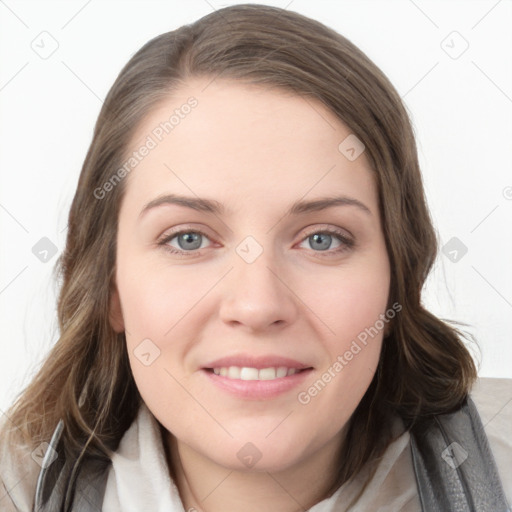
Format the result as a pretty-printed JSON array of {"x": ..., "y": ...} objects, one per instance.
[{"x": 256, "y": 151}]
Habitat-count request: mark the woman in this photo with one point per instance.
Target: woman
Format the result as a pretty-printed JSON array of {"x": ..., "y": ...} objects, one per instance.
[{"x": 250, "y": 368}]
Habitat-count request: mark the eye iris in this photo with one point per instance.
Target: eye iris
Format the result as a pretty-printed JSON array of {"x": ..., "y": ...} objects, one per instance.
[
  {"x": 322, "y": 237},
  {"x": 194, "y": 238}
]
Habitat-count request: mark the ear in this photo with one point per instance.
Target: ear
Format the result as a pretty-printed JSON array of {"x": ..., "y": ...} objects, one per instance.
[{"x": 115, "y": 313}]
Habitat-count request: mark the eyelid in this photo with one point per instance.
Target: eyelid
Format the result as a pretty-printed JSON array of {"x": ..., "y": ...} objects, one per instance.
[
  {"x": 186, "y": 228},
  {"x": 321, "y": 228}
]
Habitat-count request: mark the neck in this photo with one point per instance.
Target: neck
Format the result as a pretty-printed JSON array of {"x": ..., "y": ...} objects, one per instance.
[{"x": 205, "y": 486}]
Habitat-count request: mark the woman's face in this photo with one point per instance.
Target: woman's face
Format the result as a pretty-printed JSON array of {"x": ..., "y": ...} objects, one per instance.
[{"x": 265, "y": 279}]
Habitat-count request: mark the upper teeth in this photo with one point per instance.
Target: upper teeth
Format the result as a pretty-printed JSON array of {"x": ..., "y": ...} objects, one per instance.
[{"x": 245, "y": 373}]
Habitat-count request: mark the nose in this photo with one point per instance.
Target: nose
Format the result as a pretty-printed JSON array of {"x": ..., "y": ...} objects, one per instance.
[{"x": 257, "y": 296}]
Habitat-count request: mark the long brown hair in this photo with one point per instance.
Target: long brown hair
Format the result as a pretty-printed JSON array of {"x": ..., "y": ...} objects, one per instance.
[{"x": 424, "y": 369}]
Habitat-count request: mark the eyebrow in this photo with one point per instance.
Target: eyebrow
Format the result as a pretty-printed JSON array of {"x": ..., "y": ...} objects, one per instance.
[{"x": 212, "y": 206}]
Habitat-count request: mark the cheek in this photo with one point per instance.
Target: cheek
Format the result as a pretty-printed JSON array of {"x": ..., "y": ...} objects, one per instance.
[
  {"x": 347, "y": 301},
  {"x": 154, "y": 299},
  {"x": 353, "y": 309},
  {"x": 161, "y": 317}
]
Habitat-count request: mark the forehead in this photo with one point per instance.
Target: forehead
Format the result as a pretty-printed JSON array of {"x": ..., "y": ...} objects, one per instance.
[{"x": 228, "y": 140}]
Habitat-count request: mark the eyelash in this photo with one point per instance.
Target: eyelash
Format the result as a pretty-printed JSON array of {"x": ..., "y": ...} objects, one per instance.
[{"x": 347, "y": 243}]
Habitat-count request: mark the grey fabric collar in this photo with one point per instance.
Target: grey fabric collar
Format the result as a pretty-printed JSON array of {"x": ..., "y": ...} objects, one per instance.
[
  {"x": 63, "y": 488},
  {"x": 454, "y": 467}
]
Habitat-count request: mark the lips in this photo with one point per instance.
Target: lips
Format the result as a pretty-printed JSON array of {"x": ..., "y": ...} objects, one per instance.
[
  {"x": 260, "y": 362},
  {"x": 252, "y": 377}
]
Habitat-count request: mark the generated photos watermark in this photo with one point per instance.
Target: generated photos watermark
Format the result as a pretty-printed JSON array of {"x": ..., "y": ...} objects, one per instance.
[
  {"x": 151, "y": 142},
  {"x": 357, "y": 345}
]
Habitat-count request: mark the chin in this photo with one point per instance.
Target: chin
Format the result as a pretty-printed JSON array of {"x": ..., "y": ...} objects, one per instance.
[{"x": 259, "y": 455}]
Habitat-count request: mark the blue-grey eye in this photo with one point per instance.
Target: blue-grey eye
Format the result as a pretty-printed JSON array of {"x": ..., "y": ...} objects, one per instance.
[
  {"x": 189, "y": 240},
  {"x": 320, "y": 241}
]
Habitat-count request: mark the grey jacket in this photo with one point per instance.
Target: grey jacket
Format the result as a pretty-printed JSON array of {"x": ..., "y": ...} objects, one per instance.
[{"x": 454, "y": 468}]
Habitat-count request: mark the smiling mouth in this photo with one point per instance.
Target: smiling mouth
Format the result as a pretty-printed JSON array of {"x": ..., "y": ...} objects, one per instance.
[{"x": 248, "y": 373}]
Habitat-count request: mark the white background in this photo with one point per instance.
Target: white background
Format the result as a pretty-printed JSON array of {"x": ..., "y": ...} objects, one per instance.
[{"x": 461, "y": 109}]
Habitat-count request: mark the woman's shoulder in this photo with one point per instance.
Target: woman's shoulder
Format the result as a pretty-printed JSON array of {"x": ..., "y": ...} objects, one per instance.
[
  {"x": 19, "y": 470},
  {"x": 493, "y": 400},
  {"x": 493, "y": 397},
  {"x": 394, "y": 485}
]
